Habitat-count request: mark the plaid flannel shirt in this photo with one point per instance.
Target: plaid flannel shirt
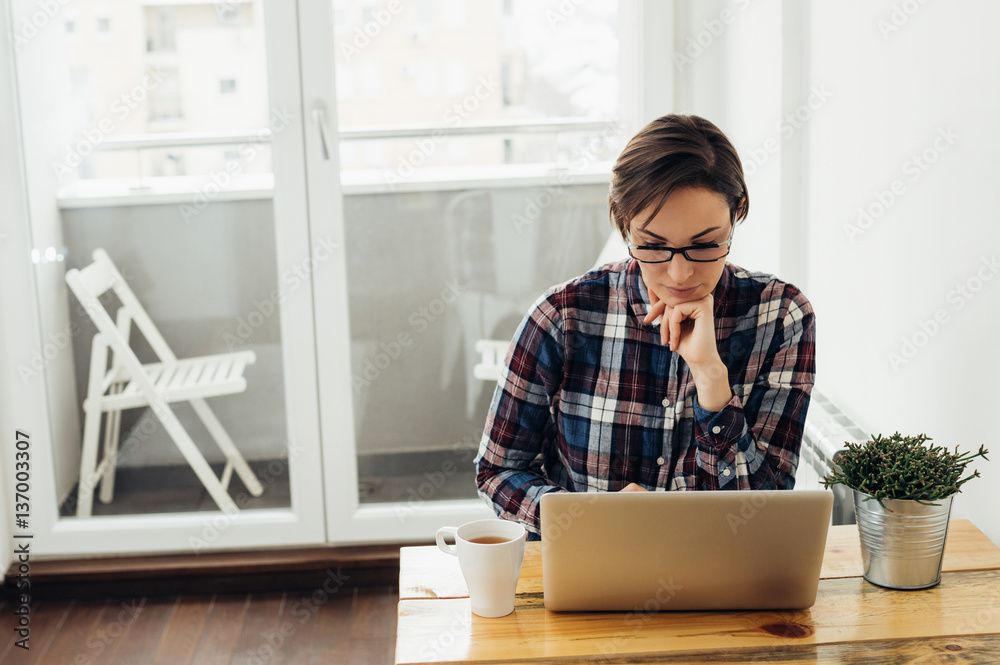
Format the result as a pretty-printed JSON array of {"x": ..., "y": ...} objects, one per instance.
[{"x": 590, "y": 400}]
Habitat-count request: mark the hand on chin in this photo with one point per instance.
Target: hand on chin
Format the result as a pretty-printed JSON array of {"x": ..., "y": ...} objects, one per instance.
[{"x": 686, "y": 324}]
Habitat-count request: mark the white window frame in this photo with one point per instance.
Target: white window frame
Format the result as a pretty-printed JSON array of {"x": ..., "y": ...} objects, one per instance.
[
  {"x": 97, "y": 13},
  {"x": 646, "y": 26},
  {"x": 27, "y": 406},
  {"x": 647, "y": 91}
]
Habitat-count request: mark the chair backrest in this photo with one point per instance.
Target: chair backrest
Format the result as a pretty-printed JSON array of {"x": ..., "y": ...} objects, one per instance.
[
  {"x": 90, "y": 283},
  {"x": 468, "y": 218}
]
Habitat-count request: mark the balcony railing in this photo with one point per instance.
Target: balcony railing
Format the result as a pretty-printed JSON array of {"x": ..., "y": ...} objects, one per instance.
[
  {"x": 146, "y": 189},
  {"x": 361, "y": 132}
]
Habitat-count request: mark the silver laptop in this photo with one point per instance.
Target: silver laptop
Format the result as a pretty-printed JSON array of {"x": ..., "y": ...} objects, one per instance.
[{"x": 661, "y": 551}]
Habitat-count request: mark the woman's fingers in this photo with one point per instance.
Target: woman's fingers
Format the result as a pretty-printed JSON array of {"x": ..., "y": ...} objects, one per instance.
[
  {"x": 663, "y": 312},
  {"x": 656, "y": 309},
  {"x": 674, "y": 323},
  {"x": 672, "y": 318}
]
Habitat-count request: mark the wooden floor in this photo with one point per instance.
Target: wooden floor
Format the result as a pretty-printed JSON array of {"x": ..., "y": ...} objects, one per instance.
[{"x": 351, "y": 625}]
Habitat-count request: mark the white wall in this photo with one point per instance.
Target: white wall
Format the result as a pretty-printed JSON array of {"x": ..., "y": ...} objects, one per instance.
[
  {"x": 897, "y": 92},
  {"x": 728, "y": 67},
  {"x": 877, "y": 85}
]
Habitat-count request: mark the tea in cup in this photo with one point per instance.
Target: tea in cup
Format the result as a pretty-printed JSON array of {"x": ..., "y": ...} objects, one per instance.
[{"x": 490, "y": 553}]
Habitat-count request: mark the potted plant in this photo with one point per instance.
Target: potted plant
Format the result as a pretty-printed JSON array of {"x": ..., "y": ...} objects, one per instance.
[{"x": 902, "y": 499}]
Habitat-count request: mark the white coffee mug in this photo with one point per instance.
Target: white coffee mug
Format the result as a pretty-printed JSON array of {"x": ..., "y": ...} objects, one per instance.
[{"x": 490, "y": 568}]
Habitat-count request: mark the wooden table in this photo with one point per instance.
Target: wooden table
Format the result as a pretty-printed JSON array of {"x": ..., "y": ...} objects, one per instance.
[{"x": 853, "y": 621}]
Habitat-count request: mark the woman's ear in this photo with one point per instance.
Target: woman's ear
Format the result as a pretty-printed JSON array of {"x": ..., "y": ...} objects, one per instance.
[{"x": 741, "y": 208}]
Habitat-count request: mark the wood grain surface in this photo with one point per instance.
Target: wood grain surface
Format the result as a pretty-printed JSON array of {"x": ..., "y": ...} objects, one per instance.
[
  {"x": 952, "y": 650},
  {"x": 962, "y": 611}
]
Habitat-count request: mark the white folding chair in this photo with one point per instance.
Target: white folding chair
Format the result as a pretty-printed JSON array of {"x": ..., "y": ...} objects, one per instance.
[{"x": 129, "y": 384}]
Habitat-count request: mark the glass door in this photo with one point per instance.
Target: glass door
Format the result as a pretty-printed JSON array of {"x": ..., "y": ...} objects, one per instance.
[
  {"x": 461, "y": 154},
  {"x": 166, "y": 139}
]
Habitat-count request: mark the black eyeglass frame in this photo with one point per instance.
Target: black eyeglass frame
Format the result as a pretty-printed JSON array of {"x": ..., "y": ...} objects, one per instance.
[{"x": 684, "y": 250}]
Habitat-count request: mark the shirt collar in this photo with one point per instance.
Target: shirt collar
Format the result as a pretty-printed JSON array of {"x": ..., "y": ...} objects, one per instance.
[{"x": 638, "y": 296}]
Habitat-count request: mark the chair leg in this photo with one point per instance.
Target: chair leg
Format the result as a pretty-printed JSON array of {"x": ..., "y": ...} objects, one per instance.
[
  {"x": 91, "y": 427},
  {"x": 112, "y": 435},
  {"x": 193, "y": 456},
  {"x": 221, "y": 437}
]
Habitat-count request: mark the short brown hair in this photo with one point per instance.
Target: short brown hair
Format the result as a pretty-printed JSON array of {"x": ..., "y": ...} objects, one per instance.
[{"x": 669, "y": 153}]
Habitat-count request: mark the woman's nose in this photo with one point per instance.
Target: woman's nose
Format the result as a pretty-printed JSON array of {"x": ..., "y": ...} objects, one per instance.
[{"x": 680, "y": 269}]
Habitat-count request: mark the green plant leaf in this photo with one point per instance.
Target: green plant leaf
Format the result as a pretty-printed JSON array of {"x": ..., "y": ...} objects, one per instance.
[{"x": 902, "y": 467}]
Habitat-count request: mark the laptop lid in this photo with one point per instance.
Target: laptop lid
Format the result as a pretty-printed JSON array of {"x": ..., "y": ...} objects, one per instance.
[{"x": 652, "y": 551}]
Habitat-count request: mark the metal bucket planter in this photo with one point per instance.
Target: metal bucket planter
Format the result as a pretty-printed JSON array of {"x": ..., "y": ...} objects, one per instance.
[{"x": 902, "y": 545}]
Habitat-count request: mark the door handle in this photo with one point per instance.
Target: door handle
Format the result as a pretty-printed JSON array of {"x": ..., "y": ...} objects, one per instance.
[{"x": 319, "y": 117}]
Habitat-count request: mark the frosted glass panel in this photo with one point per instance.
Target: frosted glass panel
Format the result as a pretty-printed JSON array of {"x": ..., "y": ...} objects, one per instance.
[
  {"x": 149, "y": 141},
  {"x": 475, "y": 144},
  {"x": 425, "y": 286}
]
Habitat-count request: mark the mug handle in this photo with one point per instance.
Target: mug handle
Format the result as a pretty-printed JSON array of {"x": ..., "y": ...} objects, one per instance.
[{"x": 443, "y": 546}]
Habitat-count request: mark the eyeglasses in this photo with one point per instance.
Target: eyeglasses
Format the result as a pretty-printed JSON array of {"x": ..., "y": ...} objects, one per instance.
[{"x": 703, "y": 253}]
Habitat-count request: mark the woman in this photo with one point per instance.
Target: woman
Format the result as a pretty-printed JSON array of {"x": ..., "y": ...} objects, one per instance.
[{"x": 671, "y": 370}]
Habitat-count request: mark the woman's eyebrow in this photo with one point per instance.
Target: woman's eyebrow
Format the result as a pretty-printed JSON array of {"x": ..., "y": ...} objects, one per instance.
[{"x": 694, "y": 237}]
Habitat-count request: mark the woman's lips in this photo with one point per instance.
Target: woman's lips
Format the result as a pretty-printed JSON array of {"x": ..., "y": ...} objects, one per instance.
[{"x": 681, "y": 293}]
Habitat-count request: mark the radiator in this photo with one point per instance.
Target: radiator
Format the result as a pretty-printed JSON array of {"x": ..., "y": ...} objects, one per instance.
[{"x": 827, "y": 429}]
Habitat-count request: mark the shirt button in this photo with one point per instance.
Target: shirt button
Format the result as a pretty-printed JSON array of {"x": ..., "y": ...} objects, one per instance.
[
  {"x": 660, "y": 461},
  {"x": 666, "y": 401},
  {"x": 726, "y": 472},
  {"x": 716, "y": 429}
]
